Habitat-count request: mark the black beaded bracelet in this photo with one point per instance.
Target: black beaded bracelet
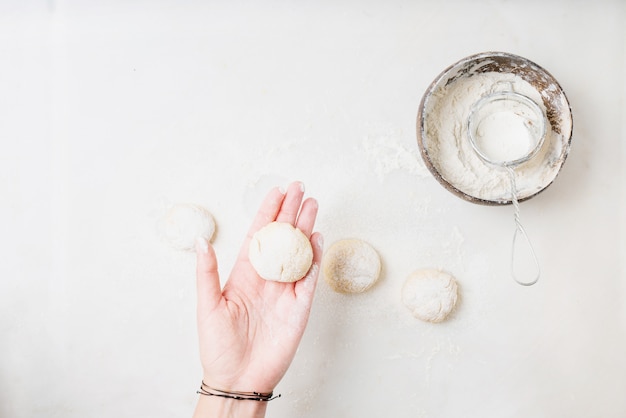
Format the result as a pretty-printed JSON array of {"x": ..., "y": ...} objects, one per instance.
[{"x": 240, "y": 396}]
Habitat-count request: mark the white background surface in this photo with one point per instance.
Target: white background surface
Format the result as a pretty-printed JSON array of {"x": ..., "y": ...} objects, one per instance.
[{"x": 110, "y": 110}]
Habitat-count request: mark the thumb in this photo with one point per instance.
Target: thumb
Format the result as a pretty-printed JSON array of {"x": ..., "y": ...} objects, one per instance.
[{"x": 207, "y": 278}]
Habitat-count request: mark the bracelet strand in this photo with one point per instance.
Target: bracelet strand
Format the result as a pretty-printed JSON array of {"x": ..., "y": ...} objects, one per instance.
[{"x": 240, "y": 396}]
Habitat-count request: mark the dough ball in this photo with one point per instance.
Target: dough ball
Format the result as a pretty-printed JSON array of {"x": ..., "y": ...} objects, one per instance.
[
  {"x": 430, "y": 294},
  {"x": 280, "y": 252},
  {"x": 351, "y": 266},
  {"x": 184, "y": 223}
]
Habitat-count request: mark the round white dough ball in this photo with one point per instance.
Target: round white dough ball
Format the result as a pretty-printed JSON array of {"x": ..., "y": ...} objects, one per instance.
[
  {"x": 430, "y": 294},
  {"x": 280, "y": 252},
  {"x": 184, "y": 223},
  {"x": 351, "y": 266}
]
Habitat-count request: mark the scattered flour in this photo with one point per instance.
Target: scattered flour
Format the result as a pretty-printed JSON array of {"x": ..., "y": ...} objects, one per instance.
[{"x": 388, "y": 154}]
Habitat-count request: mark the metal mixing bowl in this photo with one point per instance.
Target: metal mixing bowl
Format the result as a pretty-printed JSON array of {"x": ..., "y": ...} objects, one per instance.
[{"x": 557, "y": 110}]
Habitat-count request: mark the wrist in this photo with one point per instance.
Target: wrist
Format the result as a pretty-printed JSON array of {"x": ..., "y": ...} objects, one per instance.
[{"x": 218, "y": 407}]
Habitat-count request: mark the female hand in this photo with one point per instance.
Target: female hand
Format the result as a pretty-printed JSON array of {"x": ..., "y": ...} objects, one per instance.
[{"x": 249, "y": 330}]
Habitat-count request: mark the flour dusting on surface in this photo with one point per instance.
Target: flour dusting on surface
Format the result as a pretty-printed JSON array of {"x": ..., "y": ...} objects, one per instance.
[{"x": 388, "y": 153}]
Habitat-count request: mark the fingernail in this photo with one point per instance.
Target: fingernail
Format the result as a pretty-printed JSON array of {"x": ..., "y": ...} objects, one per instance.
[
  {"x": 281, "y": 189},
  {"x": 301, "y": 186},
  {"x": 202, "y": 245}
]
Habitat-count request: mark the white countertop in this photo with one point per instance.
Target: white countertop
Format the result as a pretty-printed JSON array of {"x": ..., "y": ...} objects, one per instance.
[{"x": 111, "y": 110}]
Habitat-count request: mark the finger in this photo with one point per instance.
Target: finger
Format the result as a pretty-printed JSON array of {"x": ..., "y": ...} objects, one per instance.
[
  {"x": 305, "y": 288},
  {"x": 207, "y": 278},
  {"x": 306, "y": 218},
  {"x": 268, "y": 210},
  {"x": 267, "y": 213},
  {"x": 291, "y": 205}
]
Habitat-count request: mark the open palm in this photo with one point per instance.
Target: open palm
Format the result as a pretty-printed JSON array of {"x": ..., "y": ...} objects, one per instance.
[{"x": 249, "y": 330}]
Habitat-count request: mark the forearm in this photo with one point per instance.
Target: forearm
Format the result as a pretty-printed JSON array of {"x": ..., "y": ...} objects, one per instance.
[{"x": 217, "y": 407}]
